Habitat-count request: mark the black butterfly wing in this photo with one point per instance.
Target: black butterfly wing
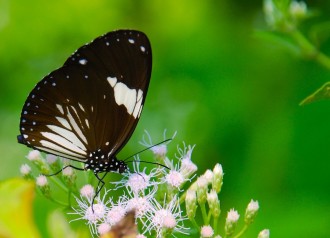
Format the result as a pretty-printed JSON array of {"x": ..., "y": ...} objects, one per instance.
[{"x": 93, "y": 102}]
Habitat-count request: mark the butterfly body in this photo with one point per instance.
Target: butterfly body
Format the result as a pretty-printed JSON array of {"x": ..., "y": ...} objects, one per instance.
[{"x": 87, "y": 110}]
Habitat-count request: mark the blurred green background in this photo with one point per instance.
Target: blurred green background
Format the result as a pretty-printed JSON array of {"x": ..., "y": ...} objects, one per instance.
[{"x": 222, "y": 88}]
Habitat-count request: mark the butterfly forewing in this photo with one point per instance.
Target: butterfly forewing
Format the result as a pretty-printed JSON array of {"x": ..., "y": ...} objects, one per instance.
[{"x": 93, "y": 102}]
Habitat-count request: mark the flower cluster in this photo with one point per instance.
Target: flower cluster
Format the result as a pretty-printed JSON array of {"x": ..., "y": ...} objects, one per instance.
[
  {"x": 285, "y": 15},
  {"x": 166, "y": 199}
]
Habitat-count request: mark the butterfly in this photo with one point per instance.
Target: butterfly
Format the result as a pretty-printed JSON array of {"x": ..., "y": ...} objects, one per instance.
[{"x": 87, "y": 110}]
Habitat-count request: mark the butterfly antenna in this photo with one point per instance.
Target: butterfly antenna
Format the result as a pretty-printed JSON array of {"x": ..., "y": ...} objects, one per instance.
[
  {"x": 148, "y": 148},
  {"x": 148, "y": 162}
]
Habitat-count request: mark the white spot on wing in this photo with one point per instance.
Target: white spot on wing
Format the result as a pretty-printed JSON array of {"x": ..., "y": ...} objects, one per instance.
[
  {"x": 143, "y": 49},
  {"x": 112, "y": 81},
  {"x": 56, "y": 139},
  {"x": 83, "y": 61},
  {"x": 64, "y": 122},
  {"x": 68, "y": 135},
  {"x": 125, "y": 96},
  {"x": 81, "y": 107},
  {"x": 76, "y": 127},
  {"x": 132, "y": 41},
  {"x": 60, "y": 108}
]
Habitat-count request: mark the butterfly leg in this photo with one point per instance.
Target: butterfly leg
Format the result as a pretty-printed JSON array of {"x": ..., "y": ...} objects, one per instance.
[
  {"x": 68, "y": 166},
  {"x": 99, "y": 188}
]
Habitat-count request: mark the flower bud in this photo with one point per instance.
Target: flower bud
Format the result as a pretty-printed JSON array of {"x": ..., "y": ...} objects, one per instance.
[
  {"x": 191, "y": 205},
  {"x": 231, "y": 222},
  {"x": 201, "y": 190},
  {"x": 87, "y": 191},
  {"x": 217, "y": 178},
  {"x": 264, "y": 234},
  {"x": 26, "y": 171},
  {"x": 251, "y": 212},
  {"x": 214, "y": 203},
  {"x": 207, "y": 231},
  {"x": 36, "y": 158},
  {"x": 208, "y": 175},
  {"x": 298, "y": 10},
  {"x": 42, "y": 183},
  {"x": 69, "y": 176}
]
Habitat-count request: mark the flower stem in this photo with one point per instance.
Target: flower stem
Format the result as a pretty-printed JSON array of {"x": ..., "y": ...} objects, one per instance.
[
  {"x": 242, "y": 231},
  {"x": 215, "y": 225},
  {"x": 59, "y": 184},
  {"x": 309, "y": 50},
  {"x": 204, "y": 214},
  {"x": 193, "y": 221}
]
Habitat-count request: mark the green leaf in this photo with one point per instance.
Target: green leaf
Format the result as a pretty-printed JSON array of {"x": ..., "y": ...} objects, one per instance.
[
  {"x": 279, "y": 39},
  {"x": 16, "y": 218},
  {"x": 320, "y": 94}
]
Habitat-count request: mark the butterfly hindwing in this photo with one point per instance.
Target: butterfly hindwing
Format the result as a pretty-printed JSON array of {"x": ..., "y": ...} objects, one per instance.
[{"x": 93, "y": 102}]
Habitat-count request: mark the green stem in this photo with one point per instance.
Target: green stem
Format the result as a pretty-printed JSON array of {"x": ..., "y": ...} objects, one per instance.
[
  {"x": 309, "y": 49},
  {"x": 204, "y": 214},
  {"x": 183, "y": 197},
  {"x": 242, "y": 231},
  {"x": 59, "y": 184},
  {"x": 215, "y": 225},
  {"x": 59, "y": 202},
  {"x": 193, "y": 221}
]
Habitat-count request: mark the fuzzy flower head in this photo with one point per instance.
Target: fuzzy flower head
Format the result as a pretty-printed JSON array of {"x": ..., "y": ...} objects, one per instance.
[
  {"x": 207, "y": 231},
  {"x": 251, "y": 211},
  {"x": 138, "y": 181},
  {"x": 42, "y": 181},
  {"x": 25, "y": 169},
  {"x": 140, "y": 204},
  {"x": 174, "y": 178},
  {"x": 103, "y": 228},
  {"x": 115, "y": 214},
  {"x": 187, "y": 167},
  {"x": 51, "y": 159},
  {"x": 92, "y": 214},
  {"x": 231, "y": 222},
  {"x": 165, "y": 217},
  {"x": 87, "y": 191},
  {"x": 159, "y": 150},
  {"x": 34, "y": 155}
]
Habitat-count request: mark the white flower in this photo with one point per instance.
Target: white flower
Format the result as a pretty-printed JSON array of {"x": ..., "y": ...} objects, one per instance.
[
  {"x": 253, "y": 206},
  {"x": 51, "y": 159},
  {"x": 87, "y": 191},
  {"x": 298, "y": 9},
  {"x": 115, "y": 214},
  {"x": 187, "y": 167},
  {"x": 207, "y": 231},
  {"x": 91, "y": 213},
  {"x": 103, "y": 228},
  {"x": 140, "y": 204},
  {"x": 208, "y": 175},
  {"x": 138, "y": 181},
  {"x": 264, "y": 234},
  {"x": 232, "y": 216},
  {"x": 42, "y": 181},
  {"x": 174, "y": 178},
  {"x": 68, "y": 171},
  {"x": 25, "y": 169},
  {"x": 165, "y": 217},
  {"x": 34, "y": 155}
]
